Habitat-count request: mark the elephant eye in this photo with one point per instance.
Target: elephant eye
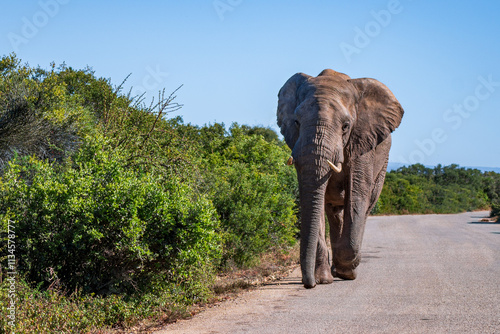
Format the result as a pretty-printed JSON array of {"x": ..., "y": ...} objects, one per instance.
[
  {"x": 297, "y": 124},
  {"x": 345, "y": 127}
]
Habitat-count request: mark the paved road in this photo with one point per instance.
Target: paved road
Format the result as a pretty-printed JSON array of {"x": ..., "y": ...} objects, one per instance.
[{"x": 420, "y": 274}]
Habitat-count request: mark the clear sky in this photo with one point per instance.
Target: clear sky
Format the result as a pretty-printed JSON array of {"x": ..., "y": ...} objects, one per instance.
[{"x": 440, "y": 58}]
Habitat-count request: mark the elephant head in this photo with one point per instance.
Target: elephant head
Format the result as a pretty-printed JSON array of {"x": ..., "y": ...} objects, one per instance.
[{"x": 329, "y": 121}]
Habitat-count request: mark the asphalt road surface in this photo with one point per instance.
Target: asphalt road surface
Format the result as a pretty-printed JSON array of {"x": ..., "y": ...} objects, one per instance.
[{"x": 419, "y": 274}]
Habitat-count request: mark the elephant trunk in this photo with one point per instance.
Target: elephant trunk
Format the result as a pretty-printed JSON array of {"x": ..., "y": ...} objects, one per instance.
[{"x": 312, "y": 187}]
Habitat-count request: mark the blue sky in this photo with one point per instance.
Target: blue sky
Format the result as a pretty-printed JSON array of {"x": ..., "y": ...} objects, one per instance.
[{"x": 232, "y": 56}]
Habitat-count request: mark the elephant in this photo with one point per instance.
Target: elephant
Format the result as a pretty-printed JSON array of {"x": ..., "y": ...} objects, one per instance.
[{"x": 339, "y": 130}]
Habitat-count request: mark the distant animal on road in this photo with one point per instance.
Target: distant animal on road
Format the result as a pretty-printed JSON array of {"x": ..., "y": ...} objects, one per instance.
[{"x": 339, "y": 131}]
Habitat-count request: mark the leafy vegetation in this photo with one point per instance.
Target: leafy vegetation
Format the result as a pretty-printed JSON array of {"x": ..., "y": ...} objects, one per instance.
[
  {"x": 122, "y": 213},
  {"x": 449, "y": 189},
  {"x": 103, "y": 228}
]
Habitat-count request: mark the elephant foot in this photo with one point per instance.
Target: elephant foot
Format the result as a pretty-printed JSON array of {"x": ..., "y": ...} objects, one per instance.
[
  {"x": 347, "y": 274},
  {"x": 308, "y": 283},
  {"x": 323, "y": 275}
]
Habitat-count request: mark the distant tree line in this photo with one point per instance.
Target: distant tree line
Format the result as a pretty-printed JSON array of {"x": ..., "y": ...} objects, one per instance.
[{"x": 449, "y": 189}]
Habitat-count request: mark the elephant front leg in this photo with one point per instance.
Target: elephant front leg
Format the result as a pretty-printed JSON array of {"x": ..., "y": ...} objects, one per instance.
[{"x": 322, "y": 271}]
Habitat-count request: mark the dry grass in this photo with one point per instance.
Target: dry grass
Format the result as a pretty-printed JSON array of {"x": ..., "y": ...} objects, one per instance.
[
  {"x": 491, "y": 220},
  {"x": 272, "y": 266}
]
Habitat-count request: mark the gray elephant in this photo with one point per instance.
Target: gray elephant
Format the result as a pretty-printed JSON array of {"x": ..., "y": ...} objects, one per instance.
[{"x": 339, "y": 131}]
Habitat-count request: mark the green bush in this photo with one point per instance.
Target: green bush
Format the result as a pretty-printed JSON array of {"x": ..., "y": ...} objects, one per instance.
[
  {"x": 253, "y": 192},
  {"x": 38, "y": 115},
  {"x": 495, "y": 209},
  {"x": 93, "y": 224},
  {"x": 244, "y": 174},
  {"x": 256, "y": 213}
]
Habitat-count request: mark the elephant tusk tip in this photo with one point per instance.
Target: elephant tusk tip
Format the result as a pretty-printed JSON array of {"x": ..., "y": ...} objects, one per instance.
[
  {"x": 336, "y": 169},
  {"x": 290, "y": 161}
]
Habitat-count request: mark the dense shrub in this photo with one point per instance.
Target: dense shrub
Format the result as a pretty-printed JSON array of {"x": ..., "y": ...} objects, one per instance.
[
  {"x": 37, "y": 114},
  {"x": 495, "y": 209},
  {"x": 93, "y": 224},
  {"x": 256, "y": 212},
  {"x": 252, "y": 189}
]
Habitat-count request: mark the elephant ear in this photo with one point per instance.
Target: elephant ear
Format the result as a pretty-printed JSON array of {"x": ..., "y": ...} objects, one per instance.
[
  {"x": 287, "y": 102},
  {"x": 378, "y": 114}
]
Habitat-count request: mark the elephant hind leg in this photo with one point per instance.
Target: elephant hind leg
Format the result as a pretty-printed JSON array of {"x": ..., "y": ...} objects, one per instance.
[{"x": 377, "y": 187}]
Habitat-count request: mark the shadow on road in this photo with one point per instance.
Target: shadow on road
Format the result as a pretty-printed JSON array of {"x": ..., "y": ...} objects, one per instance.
[
  {"x": 285, "y": 282},
  {"x": 483, "y": 223}
]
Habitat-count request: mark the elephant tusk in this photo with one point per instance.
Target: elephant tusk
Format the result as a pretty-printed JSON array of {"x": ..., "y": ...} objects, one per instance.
[
  {"x": 290, "y": 161},
  {"x": 336, "y": 169}
]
